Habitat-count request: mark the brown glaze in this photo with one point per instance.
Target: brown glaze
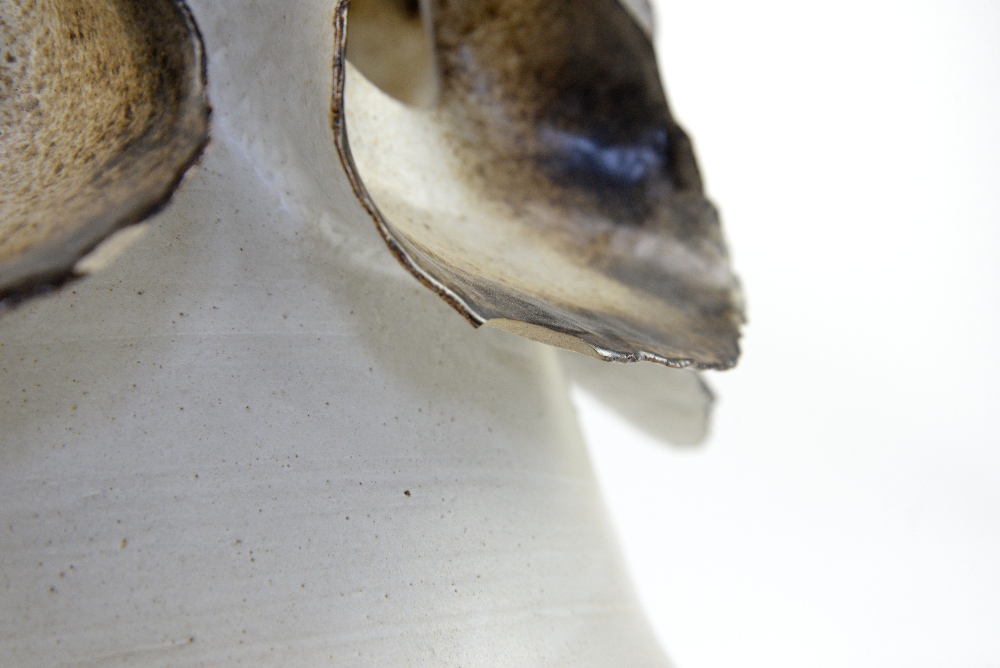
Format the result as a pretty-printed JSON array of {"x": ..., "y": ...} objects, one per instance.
[
  {"x": 102, "y": 110},
  {"x": 562, "y": 201}
]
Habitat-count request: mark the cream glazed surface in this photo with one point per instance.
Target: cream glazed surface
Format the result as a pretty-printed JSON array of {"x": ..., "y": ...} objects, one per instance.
[{"x": 255, "y": 440}]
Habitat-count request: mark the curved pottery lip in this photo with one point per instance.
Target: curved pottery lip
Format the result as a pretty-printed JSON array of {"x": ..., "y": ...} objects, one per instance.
[
  {"x": 547, "y": 189},
  {"x": 103, "y": 108}
]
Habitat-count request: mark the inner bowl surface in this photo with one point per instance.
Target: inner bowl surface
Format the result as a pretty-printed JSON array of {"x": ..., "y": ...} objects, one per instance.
[
  {"x": 547, "y": 190},
  {"x": 102, "y": 110}
]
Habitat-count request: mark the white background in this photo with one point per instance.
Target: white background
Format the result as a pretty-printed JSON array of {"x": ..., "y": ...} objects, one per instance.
[{"x": 845, "y": 510}]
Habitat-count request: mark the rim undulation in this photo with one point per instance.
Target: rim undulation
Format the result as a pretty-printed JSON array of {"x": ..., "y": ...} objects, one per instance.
[
  {"x": 538, "y": 181},
  {"x": 102, "y": 110}
]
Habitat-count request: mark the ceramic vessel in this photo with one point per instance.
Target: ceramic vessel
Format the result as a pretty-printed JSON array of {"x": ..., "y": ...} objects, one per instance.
[{"x": 254, "y": 439}]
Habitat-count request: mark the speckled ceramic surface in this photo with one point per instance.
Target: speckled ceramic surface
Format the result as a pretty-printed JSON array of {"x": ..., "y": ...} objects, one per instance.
[{"x": 255, "y": 440}]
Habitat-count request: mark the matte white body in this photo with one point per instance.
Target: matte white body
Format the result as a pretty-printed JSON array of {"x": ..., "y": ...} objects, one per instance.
[{"x": 255, "y": 440}]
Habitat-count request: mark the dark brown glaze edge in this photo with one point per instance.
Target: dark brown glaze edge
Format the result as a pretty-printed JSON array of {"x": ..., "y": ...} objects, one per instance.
[{"x": 338, "y": 120}]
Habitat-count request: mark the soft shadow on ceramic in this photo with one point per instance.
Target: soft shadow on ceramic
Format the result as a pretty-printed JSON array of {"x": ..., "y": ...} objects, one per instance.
[
  {"x": 531, "y": 173},
  {"x": 674, "y": 406},
  {"x": 209, "y": 439},
  {"x": 102, "y": 110}
]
